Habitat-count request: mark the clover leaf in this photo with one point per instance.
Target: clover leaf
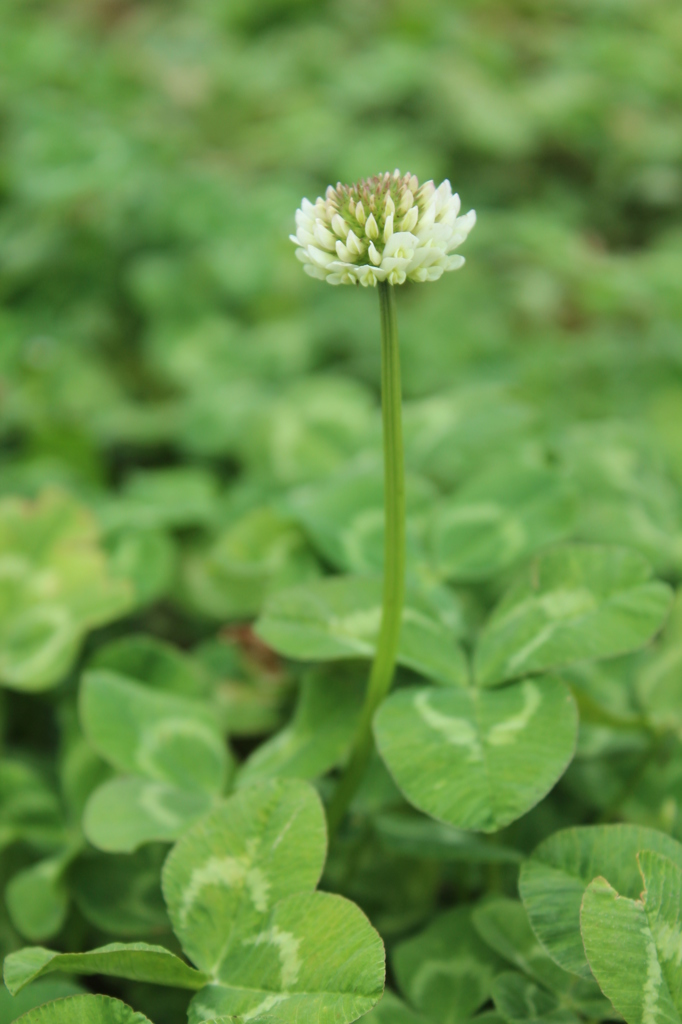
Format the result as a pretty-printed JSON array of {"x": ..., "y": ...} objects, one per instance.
[{"x": 240, "y": 891}]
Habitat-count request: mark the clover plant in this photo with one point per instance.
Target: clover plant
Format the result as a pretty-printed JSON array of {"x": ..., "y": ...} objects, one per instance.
[
  {"x": 240, "y": 891},
  {"x": 340, "y": 677},
  {"x": 277, "y": 755},
  {"x": 378, "y": 233}
]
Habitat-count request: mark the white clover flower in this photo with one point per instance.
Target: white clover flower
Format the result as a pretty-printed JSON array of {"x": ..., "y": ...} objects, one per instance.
[{"x": 386, "y": 228}]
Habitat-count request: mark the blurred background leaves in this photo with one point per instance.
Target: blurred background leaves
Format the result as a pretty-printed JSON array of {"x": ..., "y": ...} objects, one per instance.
[{"x": 152, "y": 155}]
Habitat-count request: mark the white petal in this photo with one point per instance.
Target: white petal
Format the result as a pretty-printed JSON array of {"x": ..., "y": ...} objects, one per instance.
[
  {"x": 342, "y": 277},
  {"x": 466, "y": 222},
  {"x": 343, "y": 252},
  {"x": 427, "y": 219},
  {"x": 420, "y": 274},
  {"x": 426, "y": 192},
  {"x": 339, "y": 225},
  {"x": 409, "y": 221},
  {"x": 371, "y": 227},
  {"x": 439, "y": 235},
  {"x": 314, "y": 271},
  {"x": 432, "y": 256},
  {"x": 304, "y": 220},
  {"x": 366, "y": 276},
  {"x": 341, "y": 267},
  {"x": 461, "y": 229},
  {"x": 388, "y": 227},
  {"x": 433, "y": 273},
  {"x": 318, "y": 256},
  {"x": 400, "y": 240},
  {"x": 393, "y": 263},
  {"x": 406, "y": 202},
  {"x": 324, "y": 237},
  {"x": 354, "y": 244},
  {"x": 419, "y": 258},
  {"x": 443, "y": 194},
  {"x": 450, "y": 212}
]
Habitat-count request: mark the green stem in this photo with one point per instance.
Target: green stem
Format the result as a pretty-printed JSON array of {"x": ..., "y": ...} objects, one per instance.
[{"x": 383, "y": 666}]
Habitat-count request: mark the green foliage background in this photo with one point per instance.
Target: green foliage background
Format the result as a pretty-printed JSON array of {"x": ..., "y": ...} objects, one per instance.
[
  {"x": 153, "y": 155},
  {"x": 165, "y": 362}
]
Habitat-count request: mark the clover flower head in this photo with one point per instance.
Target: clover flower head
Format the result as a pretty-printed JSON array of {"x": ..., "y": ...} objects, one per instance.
[{"x": 385, "y": 228}]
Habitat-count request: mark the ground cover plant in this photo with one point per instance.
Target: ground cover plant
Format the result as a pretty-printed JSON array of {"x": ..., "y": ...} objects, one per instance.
[{"x": 205, "y": 813}]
